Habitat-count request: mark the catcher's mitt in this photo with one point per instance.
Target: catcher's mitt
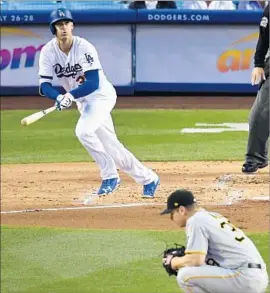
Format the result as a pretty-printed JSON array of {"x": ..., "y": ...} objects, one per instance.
[{"x": 169, "y": 254}]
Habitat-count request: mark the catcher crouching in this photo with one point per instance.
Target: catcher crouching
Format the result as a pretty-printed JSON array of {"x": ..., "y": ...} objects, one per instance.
[{"x": 218, "y": 257}]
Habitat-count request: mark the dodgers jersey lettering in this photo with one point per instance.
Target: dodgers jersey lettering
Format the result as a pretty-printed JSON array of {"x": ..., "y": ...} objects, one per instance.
[
  {"x": 69, "y": 69},
  {"x": 224, "y": 244}
]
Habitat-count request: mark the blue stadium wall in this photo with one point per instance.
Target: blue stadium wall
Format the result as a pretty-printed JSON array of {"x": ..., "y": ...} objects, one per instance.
[{"x": 178, "y": 51}]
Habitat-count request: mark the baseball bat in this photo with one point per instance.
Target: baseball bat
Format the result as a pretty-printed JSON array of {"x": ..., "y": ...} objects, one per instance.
[{"x": 36, "y": 116}]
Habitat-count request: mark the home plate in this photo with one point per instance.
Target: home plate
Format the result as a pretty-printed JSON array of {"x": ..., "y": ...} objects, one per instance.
[{"x": 261, "y": 198}]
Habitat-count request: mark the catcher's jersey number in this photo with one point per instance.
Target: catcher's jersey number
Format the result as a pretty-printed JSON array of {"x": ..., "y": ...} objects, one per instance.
[
  {"x": 225, "y": 223},
  {"x": 233, "y": 229}
]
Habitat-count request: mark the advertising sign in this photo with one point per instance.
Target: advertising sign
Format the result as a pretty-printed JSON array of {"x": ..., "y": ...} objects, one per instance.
[
  {"x": 195, "y": 54},
  {"x": 20, "y": 49}
]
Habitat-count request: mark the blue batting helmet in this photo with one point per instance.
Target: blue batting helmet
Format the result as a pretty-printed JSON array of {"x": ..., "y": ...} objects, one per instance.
[{"x": 59, "y": 15}]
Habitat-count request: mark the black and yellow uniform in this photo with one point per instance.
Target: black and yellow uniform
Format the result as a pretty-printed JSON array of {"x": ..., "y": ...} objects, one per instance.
[{"x": 257, "y": 147}]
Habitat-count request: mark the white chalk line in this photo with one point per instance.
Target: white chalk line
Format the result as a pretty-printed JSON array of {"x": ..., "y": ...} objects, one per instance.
[
  {"x": 261, "y": 198},
  {"x": 80, "y": 208},
  {"x": 128, "y": 205},
  {"x": 93, "y": 207}
]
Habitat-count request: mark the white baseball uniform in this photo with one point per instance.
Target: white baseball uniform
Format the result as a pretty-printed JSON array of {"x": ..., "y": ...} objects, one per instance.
[
  {"x": 95, "y": 128},
  {"x": 232, "y": 259}
]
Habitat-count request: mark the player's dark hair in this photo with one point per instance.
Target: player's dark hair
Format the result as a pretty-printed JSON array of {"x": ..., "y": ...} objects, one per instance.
[{"x": 191, "y": 207}]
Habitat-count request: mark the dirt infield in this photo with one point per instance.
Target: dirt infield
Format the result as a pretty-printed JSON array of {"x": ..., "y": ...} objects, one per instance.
[
  {"x": 45, "y": 186},
  {"x": 61, "y": 188},
  {"x": 169, "y": 102}
]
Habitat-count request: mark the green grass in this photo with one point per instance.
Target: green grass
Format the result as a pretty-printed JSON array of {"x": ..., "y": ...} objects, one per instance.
[
  {"x": 152, "y": 135},
  {"x": 47, "y": 260}
]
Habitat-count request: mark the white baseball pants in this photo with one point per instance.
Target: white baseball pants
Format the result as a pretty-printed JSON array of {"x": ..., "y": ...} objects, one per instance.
[
  {"x": 213, "y": 279},
  {"x": 95, "y": 130}
]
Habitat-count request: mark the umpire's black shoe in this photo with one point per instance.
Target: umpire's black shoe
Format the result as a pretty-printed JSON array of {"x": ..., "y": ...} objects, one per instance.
[{"x": 251, "y": 167}]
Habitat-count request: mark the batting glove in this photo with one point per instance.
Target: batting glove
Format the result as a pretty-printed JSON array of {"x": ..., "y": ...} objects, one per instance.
[{"x": 64, "y": 101}]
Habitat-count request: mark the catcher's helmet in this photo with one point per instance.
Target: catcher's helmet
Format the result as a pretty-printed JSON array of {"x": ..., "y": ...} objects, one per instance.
[{"x": 59, "y": 15}]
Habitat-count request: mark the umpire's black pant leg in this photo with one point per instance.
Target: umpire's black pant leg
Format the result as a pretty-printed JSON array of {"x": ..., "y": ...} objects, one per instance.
[{"x": 257, "y": 148}]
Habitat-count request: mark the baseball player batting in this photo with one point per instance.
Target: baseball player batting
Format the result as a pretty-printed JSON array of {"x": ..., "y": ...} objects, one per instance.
[
  {"x": 218, "y": 258},
  {"x": 75, "y": 62}
]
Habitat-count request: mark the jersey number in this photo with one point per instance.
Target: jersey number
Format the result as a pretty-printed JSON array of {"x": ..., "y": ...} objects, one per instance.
[{"x": 234, "y": 229}]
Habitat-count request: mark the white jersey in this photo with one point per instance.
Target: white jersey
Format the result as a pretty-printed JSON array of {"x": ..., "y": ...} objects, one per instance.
[
  {"x": 224, "y": 245},
  {"x": 69, "y": 69}
]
